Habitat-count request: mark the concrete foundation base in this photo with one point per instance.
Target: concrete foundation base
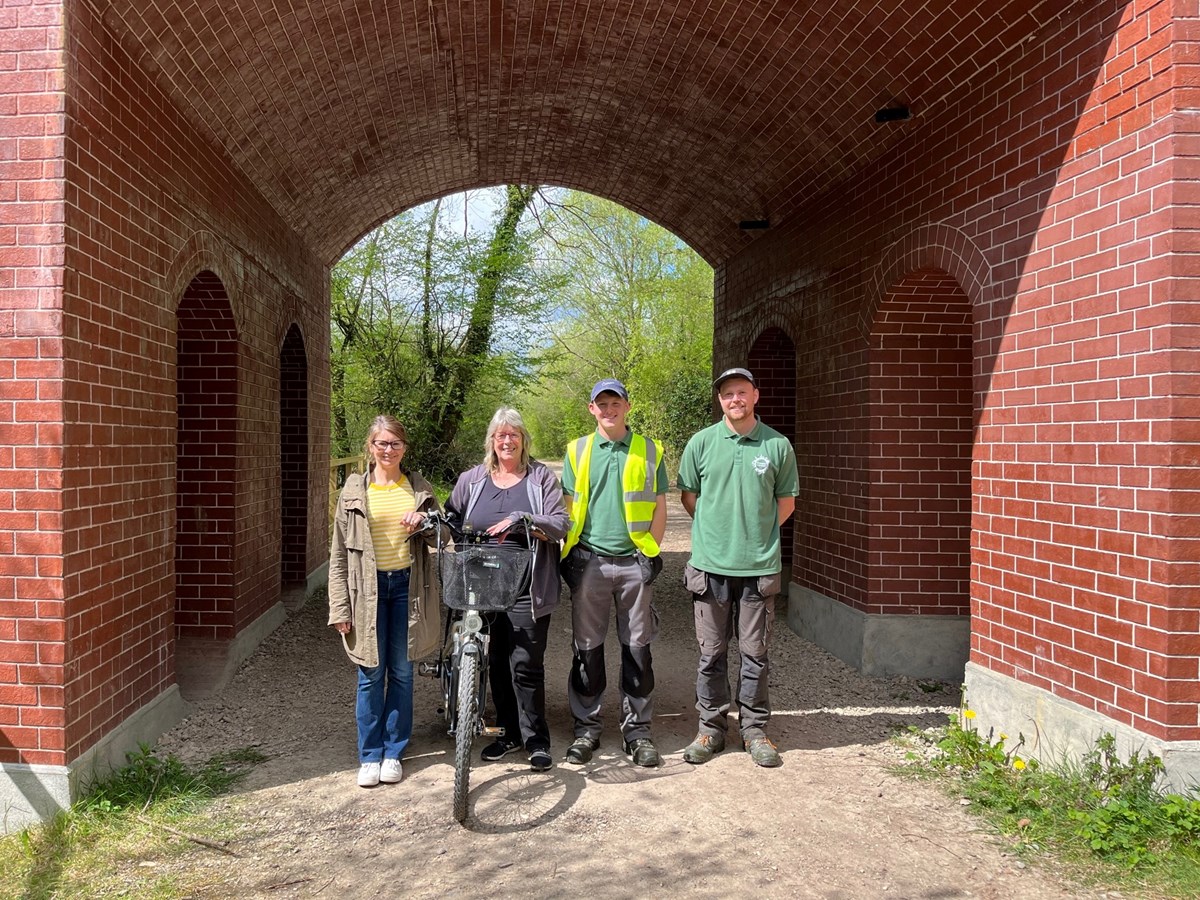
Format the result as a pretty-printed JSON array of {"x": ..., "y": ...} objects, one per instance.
[
  {"x": 933, "y": 647},
  {"x": 318, "y": 578},
  {"x": 295, "y": 597},
  {"x": 33, "y": 793},
  {"x": 202, "y": 668},
  {"x": 1055, "y": 729}
]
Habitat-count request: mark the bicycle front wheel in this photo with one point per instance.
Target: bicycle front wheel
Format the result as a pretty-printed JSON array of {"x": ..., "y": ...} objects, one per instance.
[{"x": 464, "y": 736}]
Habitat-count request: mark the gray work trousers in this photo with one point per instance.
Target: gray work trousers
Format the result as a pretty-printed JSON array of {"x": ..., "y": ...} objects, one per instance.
[
  {"x": 714, "y": 629},
  {"x": 607, "y": 581}
]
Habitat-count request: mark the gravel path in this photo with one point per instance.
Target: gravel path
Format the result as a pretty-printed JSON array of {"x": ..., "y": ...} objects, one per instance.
[{"x": 830, "y": 823}]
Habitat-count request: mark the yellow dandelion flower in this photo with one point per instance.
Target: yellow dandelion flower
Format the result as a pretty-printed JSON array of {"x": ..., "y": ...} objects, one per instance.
[
  {"x": 968, "y": 713},
  {"x": 1018, "y": 764},
  {"x": 1003, "y": 736}
]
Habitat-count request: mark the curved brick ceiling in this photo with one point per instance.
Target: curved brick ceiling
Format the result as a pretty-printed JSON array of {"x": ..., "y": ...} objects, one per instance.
[{"x": 696, "y": 113}]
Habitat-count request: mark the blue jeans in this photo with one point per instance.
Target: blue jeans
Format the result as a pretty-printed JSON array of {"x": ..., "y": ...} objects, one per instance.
[{"x": 384, "y": 708}]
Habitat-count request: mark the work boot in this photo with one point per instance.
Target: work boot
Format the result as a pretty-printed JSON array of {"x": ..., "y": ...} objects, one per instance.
[
  {"x": 703, "y": 748},
  {"x": 643, "y": 753},
  {"x": 762, "y": 751},
  {"x": 581, "y": 750}
]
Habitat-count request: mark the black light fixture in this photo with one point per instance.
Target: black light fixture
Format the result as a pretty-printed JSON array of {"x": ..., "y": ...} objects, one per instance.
[
  {"x": 754, "y": 224},
  {"x": 892, "y": 114}
]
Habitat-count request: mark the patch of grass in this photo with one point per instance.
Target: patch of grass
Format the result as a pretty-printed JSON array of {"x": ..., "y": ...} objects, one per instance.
[
  {"x": 1103, "y": 819},
  {"x": 120, "y": 836}
]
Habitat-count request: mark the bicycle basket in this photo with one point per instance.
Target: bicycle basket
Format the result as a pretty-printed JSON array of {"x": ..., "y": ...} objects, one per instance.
[{"x": 490, "y": 577}]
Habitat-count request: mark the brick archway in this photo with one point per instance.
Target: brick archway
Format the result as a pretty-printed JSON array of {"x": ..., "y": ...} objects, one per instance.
[
  {"x": 139, "y": 135},
  {"x": 206, "y": 470}
]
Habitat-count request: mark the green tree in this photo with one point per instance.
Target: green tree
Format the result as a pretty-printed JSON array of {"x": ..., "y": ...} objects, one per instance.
[
  {"x": 636, "y": 305},
  {"x": 431, "y": 321}
]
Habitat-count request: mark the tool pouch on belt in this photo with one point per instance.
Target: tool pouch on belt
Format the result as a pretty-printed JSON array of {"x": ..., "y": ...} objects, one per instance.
[
  {"x": 650, "y": 566},
  {"x": 571, "y": 566}
]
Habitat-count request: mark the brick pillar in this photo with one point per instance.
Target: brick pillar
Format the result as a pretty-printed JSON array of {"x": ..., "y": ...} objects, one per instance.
[
  {"x": 293, "y": 458},
  {"x": 772, "y": 359},
  {"x": 32, "y": 607}
]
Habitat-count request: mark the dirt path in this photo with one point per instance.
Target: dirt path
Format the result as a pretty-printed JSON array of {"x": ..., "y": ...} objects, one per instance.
[{"x": 830, "y": 823}]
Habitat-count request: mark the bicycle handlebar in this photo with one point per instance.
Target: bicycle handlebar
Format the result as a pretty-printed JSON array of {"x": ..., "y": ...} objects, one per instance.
[{"x": 436, "y": 520}]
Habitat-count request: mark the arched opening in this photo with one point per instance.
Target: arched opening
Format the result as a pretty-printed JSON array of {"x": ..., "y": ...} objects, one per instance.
[
  {"x": 207, "y": 428},
  {"x": 293, "y": 461},
  {"x": 772, "y": 359},
  {"x": 919, "y": 449}
]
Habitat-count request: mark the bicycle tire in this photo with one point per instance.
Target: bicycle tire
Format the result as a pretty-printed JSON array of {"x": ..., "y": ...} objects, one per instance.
[{"x": 464, "y": 736}]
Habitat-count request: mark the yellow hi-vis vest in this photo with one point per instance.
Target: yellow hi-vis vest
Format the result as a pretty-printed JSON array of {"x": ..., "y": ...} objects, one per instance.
[{"x": 637, "y": 481}]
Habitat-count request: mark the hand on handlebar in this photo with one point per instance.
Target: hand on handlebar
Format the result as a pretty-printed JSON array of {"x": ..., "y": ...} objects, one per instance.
[
  {"x": 415, "y": 521},
  {"x": 505, "y": 524}
]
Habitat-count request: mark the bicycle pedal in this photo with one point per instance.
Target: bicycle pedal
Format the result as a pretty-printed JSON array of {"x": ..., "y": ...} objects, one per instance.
[{"x": 490, "y": 731}]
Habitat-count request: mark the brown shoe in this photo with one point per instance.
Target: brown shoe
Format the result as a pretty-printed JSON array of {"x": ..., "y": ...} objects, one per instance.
[
  {"x": 763, "y": 752},
  {"x": 703, "y": 748}
]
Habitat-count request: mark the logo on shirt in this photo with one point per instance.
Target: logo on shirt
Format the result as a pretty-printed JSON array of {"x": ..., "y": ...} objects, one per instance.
[{"x": 760, "y": 465}]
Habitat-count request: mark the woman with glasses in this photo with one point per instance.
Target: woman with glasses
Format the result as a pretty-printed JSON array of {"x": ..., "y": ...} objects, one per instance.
[
  {"x": 383, "y": 596},
  {"x": 505, "y": 488}
]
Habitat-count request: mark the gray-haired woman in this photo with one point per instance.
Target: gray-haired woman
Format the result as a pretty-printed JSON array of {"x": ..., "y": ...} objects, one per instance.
[{"x": 493, "y": 497}]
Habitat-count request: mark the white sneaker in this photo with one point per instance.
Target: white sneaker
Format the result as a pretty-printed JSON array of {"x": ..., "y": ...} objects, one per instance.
[
  {"x": 368, "y": 775},
  {"x": 392, "y": 771}
]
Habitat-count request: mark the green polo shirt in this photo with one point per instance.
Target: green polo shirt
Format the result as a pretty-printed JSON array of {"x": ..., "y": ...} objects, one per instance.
[
  {"x": 604, "y": 528},
  {"x": 738, "y": 481}
]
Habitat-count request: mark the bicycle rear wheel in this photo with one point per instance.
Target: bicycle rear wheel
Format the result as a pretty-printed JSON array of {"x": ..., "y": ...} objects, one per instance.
[{"x": 464, "y": 737}]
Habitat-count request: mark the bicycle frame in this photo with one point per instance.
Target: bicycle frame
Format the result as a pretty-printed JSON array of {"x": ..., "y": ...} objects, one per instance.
[{"x": 462, "y": 667}]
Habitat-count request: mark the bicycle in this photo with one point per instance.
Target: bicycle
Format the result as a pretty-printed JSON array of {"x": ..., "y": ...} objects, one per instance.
[{"x": 480, "y": 575}]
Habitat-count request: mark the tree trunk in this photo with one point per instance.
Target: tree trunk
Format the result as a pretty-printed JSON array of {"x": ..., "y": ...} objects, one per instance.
[{"x": 461, "y": 373}]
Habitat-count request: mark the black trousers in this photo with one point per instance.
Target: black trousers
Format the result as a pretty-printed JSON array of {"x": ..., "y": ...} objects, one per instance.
[{"x": 517, "y": 674}]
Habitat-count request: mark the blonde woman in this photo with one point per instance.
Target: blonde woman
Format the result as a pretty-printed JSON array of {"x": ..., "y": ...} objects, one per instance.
[
  {"x": 494, "y": 496},
  {"x": 383, "y": 595}
]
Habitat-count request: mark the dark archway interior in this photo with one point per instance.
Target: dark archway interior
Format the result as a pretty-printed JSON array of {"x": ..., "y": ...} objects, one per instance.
[{"x": 206, "y": 379}]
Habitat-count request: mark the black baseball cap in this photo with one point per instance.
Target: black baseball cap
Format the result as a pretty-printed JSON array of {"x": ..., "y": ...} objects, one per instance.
[{"x": 734, "y": 373}]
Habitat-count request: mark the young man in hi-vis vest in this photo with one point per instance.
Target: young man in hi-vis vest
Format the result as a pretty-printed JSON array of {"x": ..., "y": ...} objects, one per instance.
[{"x": 615, "y": 484}]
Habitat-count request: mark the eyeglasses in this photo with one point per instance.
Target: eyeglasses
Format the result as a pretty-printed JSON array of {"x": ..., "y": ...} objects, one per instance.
[
  {"x": 506, "y": 438},
  {"x": 388, "y": 445}
]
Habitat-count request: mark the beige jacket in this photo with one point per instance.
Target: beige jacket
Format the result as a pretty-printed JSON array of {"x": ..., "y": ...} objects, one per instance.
[{"x": 353, "y": 592}]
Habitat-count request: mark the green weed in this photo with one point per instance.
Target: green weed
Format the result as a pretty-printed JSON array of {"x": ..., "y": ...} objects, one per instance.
[
  {"x": 112, "y": 841},
  {"x": 1102, "y": 816}
]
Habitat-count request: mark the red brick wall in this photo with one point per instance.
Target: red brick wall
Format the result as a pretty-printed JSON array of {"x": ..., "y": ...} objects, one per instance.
[
  {"x": 138, "y": 199},
  {"x": 293, "y": 454},
  {"x": 919, "y": 449},
  {"x": 32, "y": 631},
  {"x": 772, "y": 359},
  {"x": 1052, "y": 186}
]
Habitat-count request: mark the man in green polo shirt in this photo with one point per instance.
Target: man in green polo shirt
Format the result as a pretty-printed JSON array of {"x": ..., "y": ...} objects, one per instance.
[
  {"x": 615, "y": 483},
  {"x": 739, "y": 482}
]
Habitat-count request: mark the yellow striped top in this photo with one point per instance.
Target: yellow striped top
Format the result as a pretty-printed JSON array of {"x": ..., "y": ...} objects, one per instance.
[{"x": 386, "y": 508}]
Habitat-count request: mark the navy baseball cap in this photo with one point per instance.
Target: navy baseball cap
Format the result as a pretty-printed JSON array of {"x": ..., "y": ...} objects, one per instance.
[
  {"x": 612, "y": 386},
  {"x": 734, "y": 373}
]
